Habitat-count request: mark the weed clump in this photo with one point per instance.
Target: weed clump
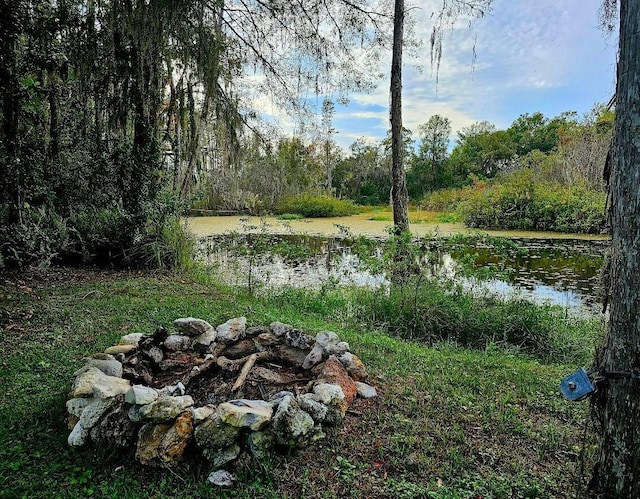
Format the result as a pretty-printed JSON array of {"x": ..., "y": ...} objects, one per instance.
[{"x": 313, "y": 206}]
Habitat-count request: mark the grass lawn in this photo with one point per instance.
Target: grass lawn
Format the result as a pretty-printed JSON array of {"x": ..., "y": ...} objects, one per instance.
[{"x": 448, "y": 422}]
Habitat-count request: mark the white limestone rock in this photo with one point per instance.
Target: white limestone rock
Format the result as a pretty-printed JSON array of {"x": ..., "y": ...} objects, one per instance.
[
  {"x": 78, "y": 436},
  {"x": 177, "y": 342},
  {"x": 242, "y": 413},
  {"x": 141, "y": 395},
  {"x": 75, "y": 406},
  {"x": 314, "y": 357},
  {"x": 221, "y": 478},
  {"x": 326, "y": 338},
  {"x": 92, "y": 382},
  {"x": 192, "y": 326},
  {"x": 131, "y": 339},
  {"x": 365, "y": 391},
  {"x": 232, "y": 330}
]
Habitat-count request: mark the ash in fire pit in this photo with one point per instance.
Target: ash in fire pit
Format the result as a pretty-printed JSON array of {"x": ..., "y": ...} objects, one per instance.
[{"x": 214, "y": 391}]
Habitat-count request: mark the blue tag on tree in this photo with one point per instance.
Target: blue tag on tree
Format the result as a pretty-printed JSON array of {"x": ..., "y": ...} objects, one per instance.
[{"x": 577, "y": 386}]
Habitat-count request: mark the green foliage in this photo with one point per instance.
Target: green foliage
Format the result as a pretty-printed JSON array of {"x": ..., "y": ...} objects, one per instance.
[
  {"x": 290, "y": 216},
  {"x": 519, "y": 202},
  {"x": 316, "y": 206},
  {"x": 364, "y": 176},
  {"x": 40, "y": 238}
]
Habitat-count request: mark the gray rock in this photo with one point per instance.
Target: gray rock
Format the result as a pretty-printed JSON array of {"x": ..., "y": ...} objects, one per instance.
[
  {"x": 131, "y": 339},
  {"x": 115, "y": 429},
  {"x": 337, "y": 348},
  {"x": 177, "y": 342},
  {"x": 94, "y": 411},
  {"x": 224, "y": 456},
  {"x": 260, "y": 443},
  {"x": 141, "y": 395},
  {"x": 221, "y": 478},
  {"x": 354, "y": 366},
  {"x": 121, "y": 349},
  {"x": 291, "y": 425},
  {"x": 154, "y": 353},
  {"x": 93, "y": 382},
  {"x": 276, "y": 398},
  {"x": 317, "y": 410},
  {"x": 279, "y": 329},
  {"x": 75, "y": 406},
  {"x": 192, "y": 326},
  {"x": 206, "y": 338},
  {"x": 253, "y": 414},
  {"x": 326, "y": 338},
  {"x": 200, "y": 414},
  {"x": 365, "y": 391},
  {"x": 298, "y": 339},
  {"x": 314, "y": 357},
  {"x": 212, "y": 434},
  {"x": 329, "y": 394},
  {"x": 102, "y": 356},
  {"x": 78, "y": 436},
  {"x": 171, "y": 390},
  {"x": 110, "y": 367},
  {"x": 164, "y": 409},
  {"x": 256, "y": 330},
  {"x": 232, "y": 330}
]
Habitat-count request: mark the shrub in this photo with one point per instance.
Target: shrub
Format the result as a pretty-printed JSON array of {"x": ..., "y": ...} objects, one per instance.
[
  {"x": 40, "y": 237},
  {"x": 518, "y": 202},
  {"x": 315, "y": 206}
]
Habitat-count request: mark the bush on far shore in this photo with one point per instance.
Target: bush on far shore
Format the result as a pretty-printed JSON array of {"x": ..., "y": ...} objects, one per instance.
[{"x": 316, "y": 206}]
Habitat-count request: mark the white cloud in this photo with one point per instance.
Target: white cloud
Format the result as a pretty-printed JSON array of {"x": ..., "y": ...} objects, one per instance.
[{"x": 542, "y": 55}]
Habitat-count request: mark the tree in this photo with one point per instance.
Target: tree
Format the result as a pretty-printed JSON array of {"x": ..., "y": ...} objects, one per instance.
[
  {"x": 480, "y": 150},
  {"x": 427, "y": 171},
  {"x": 328, "y": 110},
  {"x": 138, "y": 95},
  {"x": 617, "y": 401},
  {"x": 445, "y": 17},
  {"x": 363, "y": 176},
  {"x": 399, "y": 196}
]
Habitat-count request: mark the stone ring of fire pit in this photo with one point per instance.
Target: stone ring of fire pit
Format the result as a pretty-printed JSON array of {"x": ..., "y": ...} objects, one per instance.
[{"x": 217, "y": 391}]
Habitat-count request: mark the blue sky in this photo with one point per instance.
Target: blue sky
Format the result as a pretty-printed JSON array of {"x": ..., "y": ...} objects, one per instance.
[{"x": 542, "y": 55}]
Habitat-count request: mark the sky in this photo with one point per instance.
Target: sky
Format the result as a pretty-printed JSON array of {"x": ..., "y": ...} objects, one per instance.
[{"x": 531, "y": 55}]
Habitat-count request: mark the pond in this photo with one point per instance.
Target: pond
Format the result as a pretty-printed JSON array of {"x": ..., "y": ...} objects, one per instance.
[{"x": 557, "y": 269}]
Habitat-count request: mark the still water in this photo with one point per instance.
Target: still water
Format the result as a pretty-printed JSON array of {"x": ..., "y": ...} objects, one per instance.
[{"x": 560, "y": 270}]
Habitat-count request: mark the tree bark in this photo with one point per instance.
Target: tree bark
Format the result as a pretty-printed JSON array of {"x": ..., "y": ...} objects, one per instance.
[
  {"x": 399, "y": 194},
  {"x": 617, "y": 470}
]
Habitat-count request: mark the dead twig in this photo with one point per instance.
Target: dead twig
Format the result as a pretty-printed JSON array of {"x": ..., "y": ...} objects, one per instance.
[
  {"x": 244, "y": 372},
  {"x": 235, "y": 364}
]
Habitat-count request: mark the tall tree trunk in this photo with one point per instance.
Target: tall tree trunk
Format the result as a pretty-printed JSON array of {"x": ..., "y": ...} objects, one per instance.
[
  {"x": 10, "y": 91},
  {"x": 617, "y": 470},
  {"x": 399, "y": 194}
]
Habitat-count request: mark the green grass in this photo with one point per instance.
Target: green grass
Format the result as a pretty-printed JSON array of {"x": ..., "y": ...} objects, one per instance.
[{"x": 449, "y": 422}]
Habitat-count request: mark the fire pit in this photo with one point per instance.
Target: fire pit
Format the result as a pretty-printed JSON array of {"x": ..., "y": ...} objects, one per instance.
[{"x": 219, "y": 392}]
